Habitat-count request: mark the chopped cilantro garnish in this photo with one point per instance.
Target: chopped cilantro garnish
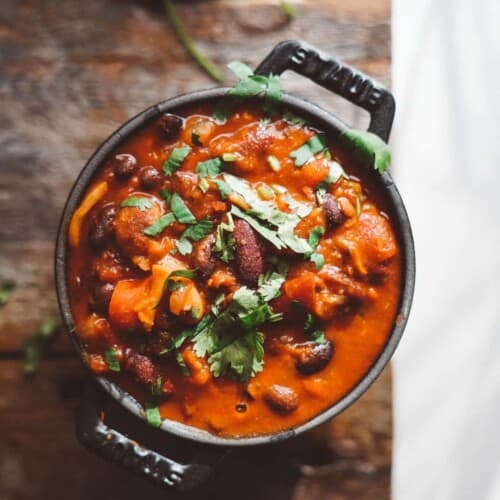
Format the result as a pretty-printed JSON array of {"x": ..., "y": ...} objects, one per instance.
[
  {"x": 175, "y": 160},
  {"x": 180, "y": 210},
  {"x": 315, "y": 235},
  {"x": 111, "y": 359},
  {"x": 209, "y": 168},
  {"x": 165, "y": 194},
  {"x": 198, "y": 231},
  {"x": 158, "y": 227},
  {"x": 184, "y": 246},
  {"x": 224, "y": 241},
  {"x": 224, "y": 188},
  {"x": 370, "y": 147},
  {"x": 230, "y": 338},
  {"x": 318, "y": 260},
  {"x": 152, "y": 411},
  {"x": 302, "y": 155},
  {"x": 140, "y": 202}
]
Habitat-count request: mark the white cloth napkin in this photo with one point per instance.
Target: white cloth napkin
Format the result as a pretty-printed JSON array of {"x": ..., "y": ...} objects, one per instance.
[{"x": 446, "y": 144}]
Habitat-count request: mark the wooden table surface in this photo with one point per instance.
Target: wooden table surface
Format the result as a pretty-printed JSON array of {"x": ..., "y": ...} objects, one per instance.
[{"x": 70, "y": 73}]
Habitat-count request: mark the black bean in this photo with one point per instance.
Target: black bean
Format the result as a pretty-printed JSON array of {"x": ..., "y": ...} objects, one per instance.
[
  {"x": 101, "y": 296},
  {"x": 102, "y": 226},
  {"x": 281, "y": 398},
  {"x": 124, "y": 166},
  {"x": 333, "y": 213},
  {"x": 171, "y": 125},
  {"x": 313, "y": 357},
  {"x": 149, "y": 177}
]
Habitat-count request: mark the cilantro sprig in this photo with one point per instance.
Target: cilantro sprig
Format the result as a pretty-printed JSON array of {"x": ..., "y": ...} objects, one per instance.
[
  {"x": 370, "y": 147},
  {"x": 251, "y": 85},
  {"x": 316, "y": 144},
  {"x": 140, "y": 202}
]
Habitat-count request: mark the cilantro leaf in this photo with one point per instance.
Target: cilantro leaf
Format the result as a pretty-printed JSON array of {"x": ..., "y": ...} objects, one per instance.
[
  {"x": 243, "y": 357},
  {"x": 165, "y": 194},
  {"x": 294, "y": 119},
  {"x": 140, "y": 202},
  {"x": 224, "y": 188},
  {"x": 158, "y": 227},
  {"x": 209, "y": 168},
  {"x": 152, "y": 411},
  {"x": 224, "y": 241},
  {"x": 370, "y": 147},
  {"x": 5, "y": 292},
  {"x": 198, "y": 231},
  {"x": 318, "y": 260},
  {"x": 111, "y": 359},
  {"x": 184, "y": 246},
  {"x": 175, "y": 160},
  {"x": 315, "y": 235},
  {"x": 180, "y": 210},
  {"x": 250, "y": 85},
  {"x": 302, "y": 155}
]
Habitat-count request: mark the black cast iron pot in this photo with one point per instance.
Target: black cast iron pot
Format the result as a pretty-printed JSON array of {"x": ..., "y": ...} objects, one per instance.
[{"x": 337, "y": 77}]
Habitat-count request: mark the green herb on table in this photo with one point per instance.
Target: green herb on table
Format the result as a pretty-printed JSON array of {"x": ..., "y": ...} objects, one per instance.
[
  {"x": 6, "y": 290},
  {"x": 140, "y": 202},
  {"x": 175, "y": 160},
  {"x": 370, "y": 147},
  {"x": 288, "y": 9},
  {"x": 111, "y": 359},
  {"x": 37, "y": 346},
  {"x": 251, "y": 85},
  {"x": 211, "y": 69},
  {"x": 316, "y": 144}
]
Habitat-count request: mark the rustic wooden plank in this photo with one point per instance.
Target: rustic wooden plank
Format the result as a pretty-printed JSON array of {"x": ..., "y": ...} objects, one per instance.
[{"x": 40, "y": 458}]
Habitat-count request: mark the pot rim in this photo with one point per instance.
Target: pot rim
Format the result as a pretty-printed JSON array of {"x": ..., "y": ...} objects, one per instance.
[{"x": 331, "y": 124}]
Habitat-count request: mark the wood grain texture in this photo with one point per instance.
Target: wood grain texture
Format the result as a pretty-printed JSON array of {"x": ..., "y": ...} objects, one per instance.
[
  {"x": 347, "y": 458},
  {"x": 70, "y": 73}
]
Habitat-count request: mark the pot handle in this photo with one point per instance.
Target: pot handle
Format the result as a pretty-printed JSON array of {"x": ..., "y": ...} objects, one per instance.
[
  {"x": 334, "y": 75},
  {"x": 93, "y": 433}
]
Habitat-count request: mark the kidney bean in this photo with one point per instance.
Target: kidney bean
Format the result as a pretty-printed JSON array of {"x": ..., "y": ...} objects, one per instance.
[
  {"x": 332, "y": 210},
  {"x": 248, "y": 253},
  {"x": 313, "y": 357},
  {"x": 171, "y": 125},
  {"x": 124, "y": 166},
  {"x": 281, "y": 398},
  {"x": 202, "y": 255},
  {"x": 101, "y": 296},
  {"x": 102, "y": 226},
  {"x": 149, "y": 177}
]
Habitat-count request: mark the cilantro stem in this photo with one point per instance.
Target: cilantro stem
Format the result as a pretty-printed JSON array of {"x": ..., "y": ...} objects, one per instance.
[{"x": 211, "y": 69}]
